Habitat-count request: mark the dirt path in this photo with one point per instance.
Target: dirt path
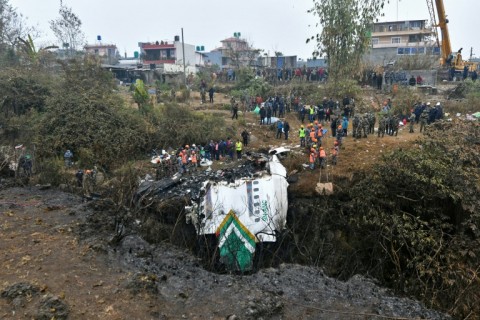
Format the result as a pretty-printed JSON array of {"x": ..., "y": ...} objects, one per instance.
[{"x": 38, "y": 246}]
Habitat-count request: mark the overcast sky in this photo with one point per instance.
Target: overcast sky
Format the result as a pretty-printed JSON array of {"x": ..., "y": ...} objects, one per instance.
[{"x": 272, "y": 25}]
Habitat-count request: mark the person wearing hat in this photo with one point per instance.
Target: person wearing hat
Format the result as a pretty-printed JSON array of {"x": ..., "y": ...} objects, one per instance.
[
  {"x": 411, "y": 120},
  {"x": 312, "y": 158},
  {"x": 194, "y": 160},
  {"x": 68, "y": 156},
  {"x": 238, "y": 149},
  {"x": 424, "y": 117},
  {"x": 322, "y": 156},
  {"x": 334, "y": 155},
  {"x": 301, "y": 134}
]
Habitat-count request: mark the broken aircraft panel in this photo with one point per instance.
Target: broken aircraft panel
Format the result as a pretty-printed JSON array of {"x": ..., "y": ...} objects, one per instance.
[{"x": 254, "y": 195}]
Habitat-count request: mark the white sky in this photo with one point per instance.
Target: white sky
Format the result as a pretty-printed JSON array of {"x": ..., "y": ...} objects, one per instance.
[{"x": 272, "y": 25}]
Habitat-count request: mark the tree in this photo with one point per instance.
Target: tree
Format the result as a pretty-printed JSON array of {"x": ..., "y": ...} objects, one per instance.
[
  {"x": 12, "y": 26},
  {"x": 31, "y": 53},
  {"x": 67, "y": 29},
  {"x": 240, "y": 53},
  {"x": 140, "y": 95},
  {"x": 346, "y": 26},
  {"x": 91, "y": 120}
]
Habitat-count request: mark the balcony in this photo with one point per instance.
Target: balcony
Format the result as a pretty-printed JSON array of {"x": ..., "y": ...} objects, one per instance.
[{"x": 403, "y": 32}]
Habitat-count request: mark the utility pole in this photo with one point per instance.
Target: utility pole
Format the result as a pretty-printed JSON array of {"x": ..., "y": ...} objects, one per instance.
[{"x": 184, "y": 67}]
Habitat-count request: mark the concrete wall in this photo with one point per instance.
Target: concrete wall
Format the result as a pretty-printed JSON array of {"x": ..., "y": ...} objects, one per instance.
[
  {"x": 213, "y": 58},
  {"x": 190, "y": 57}
]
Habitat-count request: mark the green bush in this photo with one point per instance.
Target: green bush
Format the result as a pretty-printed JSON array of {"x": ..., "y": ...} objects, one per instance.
[{"x": 52, "y": 171}]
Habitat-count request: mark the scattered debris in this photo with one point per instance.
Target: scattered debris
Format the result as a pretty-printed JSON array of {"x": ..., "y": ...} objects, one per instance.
[{"x": 241, "y": 206}]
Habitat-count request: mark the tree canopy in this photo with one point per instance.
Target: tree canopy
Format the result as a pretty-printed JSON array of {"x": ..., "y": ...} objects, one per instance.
[
  {"x": 345, "y": 33},
  {"x": 67, "y": 29}
]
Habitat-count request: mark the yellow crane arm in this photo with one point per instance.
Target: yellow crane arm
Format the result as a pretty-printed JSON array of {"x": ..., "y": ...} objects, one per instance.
[{"x": 442, "y": 23}]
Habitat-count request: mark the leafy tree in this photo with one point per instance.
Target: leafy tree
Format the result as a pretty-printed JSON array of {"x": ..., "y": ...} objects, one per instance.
[
  {"x": 67, "y": 29},
  {"x": 345, "y": 32},
  {"x": 246, "y": 80},
  {"x": 241, "y": 53},
  {"x": 90, "y": 120},
  {"x": 30, "y": 51},
  {"x": 12, "y": 26},
  {"x": 22, "y": 91},
  {"x": 140, "y": 95}
]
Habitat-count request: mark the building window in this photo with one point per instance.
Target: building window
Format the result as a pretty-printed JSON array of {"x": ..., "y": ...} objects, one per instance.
[
  {"x": 415, "y": 25},
  {"x": 415, "y": 38},
  {"x": 436, "y": 50},
  {"x": 395, "y": 39},
  {"x": 421, "y": 50},
  {"x": 374, "y": 41},
  {"x": 400, "y": 51}
]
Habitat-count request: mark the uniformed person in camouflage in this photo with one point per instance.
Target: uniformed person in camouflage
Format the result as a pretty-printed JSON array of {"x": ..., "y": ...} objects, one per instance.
[
  {"x": 411, "y": 120},
  {"x": 394, "y": 120},
  {"x": 356, "y": 127},
  {"x": 382, "y": 126},
  {"x": 424, "y": 117},
  {"x": 371, "y": 121},
  {"x": 365, "y": 125}
]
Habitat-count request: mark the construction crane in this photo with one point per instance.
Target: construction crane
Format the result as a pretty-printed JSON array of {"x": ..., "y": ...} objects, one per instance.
[{"x": 449, "y": 59}]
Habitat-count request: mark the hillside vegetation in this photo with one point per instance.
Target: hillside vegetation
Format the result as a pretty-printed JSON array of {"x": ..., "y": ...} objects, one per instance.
[{"x": 410, "y": 218}]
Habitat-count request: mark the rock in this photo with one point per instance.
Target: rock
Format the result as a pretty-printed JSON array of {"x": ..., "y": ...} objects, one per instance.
[
  {"x": 52, "y": 307},
  {"x": 44, "y": 186},
  {"x": 21, "y": 289}
]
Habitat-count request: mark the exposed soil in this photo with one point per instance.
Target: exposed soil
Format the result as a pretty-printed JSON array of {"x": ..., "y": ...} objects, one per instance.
[
  {"x": 58, "y": 260},
  {"x": 44, "y": 248}
]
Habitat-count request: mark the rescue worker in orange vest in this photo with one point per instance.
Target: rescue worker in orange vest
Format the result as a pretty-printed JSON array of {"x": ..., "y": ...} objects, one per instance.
[
  {"x": 184, "y": 156},
  {"x": 313, "y": 137},
  {"x": 322, "y": 156},
  {"x": 313, "y": 156},
  {"x": 319, "y": 134},
  {"x": 194, "y": 160},
  {"x": 334, "y": 155}
]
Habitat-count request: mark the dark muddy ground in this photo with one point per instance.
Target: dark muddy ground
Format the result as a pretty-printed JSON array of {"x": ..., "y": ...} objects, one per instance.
[{"x": 58, "y": 261}]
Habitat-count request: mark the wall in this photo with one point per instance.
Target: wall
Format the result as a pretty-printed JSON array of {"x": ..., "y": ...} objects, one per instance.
[{"x": 190, "y": 57}]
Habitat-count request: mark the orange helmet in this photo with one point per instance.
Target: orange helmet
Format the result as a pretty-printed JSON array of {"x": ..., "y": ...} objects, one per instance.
[
  {"x": 321, "y": 148},
  {"x": 187, "y": 146}
]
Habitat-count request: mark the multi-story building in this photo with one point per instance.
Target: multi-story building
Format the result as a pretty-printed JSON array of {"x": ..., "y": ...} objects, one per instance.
[
  {"x": 234, "y": 52},
  {"x": 167, "y": 52},
  {"x": 393, "y": 40},
  {"x": 107, "y": 52}
]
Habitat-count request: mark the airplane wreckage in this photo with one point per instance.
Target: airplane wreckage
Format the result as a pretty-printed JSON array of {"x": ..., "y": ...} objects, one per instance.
[{"x": 240, "y": 206}]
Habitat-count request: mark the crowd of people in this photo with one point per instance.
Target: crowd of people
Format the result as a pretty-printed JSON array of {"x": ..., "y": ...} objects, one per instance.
[
  {"x": 284, "y": 74},
  {"x": 327, "y": 118},
  {"x": 188, "y": 158}
]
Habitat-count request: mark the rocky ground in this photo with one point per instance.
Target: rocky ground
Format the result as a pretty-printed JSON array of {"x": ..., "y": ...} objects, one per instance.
[
  {"x": 60, "y": 260},
  {"x": 57, "y": 264}
]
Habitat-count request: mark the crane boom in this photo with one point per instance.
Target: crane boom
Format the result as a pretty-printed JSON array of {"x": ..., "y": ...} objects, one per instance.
[
  {"x": 442, "y": 23},
  {"x": 449, "y": 58}
]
